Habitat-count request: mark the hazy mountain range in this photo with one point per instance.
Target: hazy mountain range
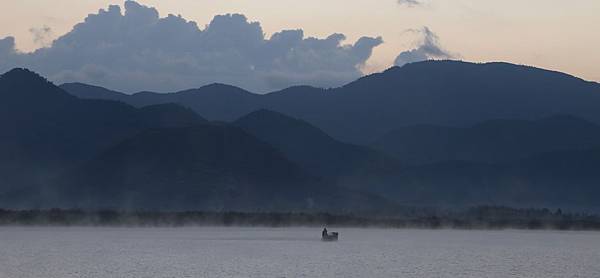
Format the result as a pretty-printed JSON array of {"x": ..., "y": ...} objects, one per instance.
[
  {"x": 447, "y": 93},
  {"x": 489, "y": 141},
  {"x": 436, "y": 133}
]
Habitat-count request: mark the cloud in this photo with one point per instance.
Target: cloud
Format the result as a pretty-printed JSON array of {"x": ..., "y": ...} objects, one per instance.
[
  {"x": 7, "y": 46},
  {"x": 42, "y": 35},
  {"x": 8, "y": 54},
  {"x": 429, "y": 48},
  {"x": 138, "y": 50},
  {"x": 410, "y": 3}
]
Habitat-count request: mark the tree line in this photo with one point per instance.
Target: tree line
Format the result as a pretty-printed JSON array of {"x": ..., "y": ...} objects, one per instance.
[{"x": 482, "y": 217}]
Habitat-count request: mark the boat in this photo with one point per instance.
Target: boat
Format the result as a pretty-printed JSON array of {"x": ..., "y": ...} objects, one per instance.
[{"x": 333, "y": 236}]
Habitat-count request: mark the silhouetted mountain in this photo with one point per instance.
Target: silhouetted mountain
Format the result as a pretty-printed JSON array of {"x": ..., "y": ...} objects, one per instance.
[
  {"x": 433, "y": 92},
  {"x": 216, "y": 101},
  {"x": 312, "y": 148},
  {"x": 169, "y": 115},
  {"x": 86, "y": 91},
  {"x": 490, "y": 141},
  {"x": 46, "y": 130},
  {"x": 209, "y": 167},
  {"x": 565, "y": 179},
  {"x": 59, "y": 150}
]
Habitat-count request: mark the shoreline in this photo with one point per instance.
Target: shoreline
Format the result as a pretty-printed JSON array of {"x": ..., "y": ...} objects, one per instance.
[{"x": 478, "y": 218}]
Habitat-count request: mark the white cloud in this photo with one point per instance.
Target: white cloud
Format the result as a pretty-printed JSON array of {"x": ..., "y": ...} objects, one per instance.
[
  {"x": 410, "y": 3},
  {"x": 138, "y": 50},
  {"x": 428, "y": 48},
  {"x": 42, "y": 35}
]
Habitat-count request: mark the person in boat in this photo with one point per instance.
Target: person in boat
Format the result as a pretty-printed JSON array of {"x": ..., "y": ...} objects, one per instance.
[{"x": 324, "y": 234}]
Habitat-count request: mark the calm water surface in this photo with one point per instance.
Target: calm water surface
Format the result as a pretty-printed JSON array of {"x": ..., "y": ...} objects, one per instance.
[{"x": 294, "y": 252}]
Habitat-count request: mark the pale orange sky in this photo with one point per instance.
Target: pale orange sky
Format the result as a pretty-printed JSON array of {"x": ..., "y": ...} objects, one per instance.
[{"x": 559, "y": 35}]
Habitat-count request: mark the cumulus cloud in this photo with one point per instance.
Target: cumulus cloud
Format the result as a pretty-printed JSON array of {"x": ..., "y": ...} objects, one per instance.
[
  {"x": 428, "y": 48},
  {"x": 138, "y": 50},
  {"x": 42, "y": 35},
  {"x": 7, "y": 45},
  {"x": 8, "y": 53},
  {"x": 410, "y": 3}
]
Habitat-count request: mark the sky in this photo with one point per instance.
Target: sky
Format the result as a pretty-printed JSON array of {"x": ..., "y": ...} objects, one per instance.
[{"x": 552, "y": 34}]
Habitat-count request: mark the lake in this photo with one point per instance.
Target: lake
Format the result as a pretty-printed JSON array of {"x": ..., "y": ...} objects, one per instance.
[{"x": 294, "y": 252}]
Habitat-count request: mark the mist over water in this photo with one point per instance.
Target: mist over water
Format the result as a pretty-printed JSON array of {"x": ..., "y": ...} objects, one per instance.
[{"x": 294, "y": 252}]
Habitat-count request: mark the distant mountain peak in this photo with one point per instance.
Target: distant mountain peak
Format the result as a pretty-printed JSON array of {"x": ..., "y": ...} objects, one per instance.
[
  {"x": 19, "y": 71},
  {"x": 455, "y": 65},
  {"x": 23, "y": 83},
  {"x": 220, "y": 87},
  {"x": 23, "y": 75}
]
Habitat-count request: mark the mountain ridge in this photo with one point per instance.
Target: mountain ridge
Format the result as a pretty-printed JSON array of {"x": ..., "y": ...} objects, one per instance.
[
  {"x": 496, "y": 140},
  {"x": 312, "y": 148},
  {"x": 449, "y": 93},
  {"x": 101, "y": 154},
  {"x": 128, "y": 156}
]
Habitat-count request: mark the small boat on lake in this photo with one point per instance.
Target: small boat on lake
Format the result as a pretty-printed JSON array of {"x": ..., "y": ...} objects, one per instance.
[
  {"x": 326, "y": 236},
  {"x": 330, "y": 237}
]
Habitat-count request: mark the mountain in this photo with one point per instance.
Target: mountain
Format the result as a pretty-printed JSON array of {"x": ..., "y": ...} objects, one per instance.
[
  {"x": 205, "y": 167},
  {"x": 313, "y": 149},
  {"x": 490, "y": 141},
  {"x": 216, "y": 101},
  {"x": 86, "y": 91},
  {"x": 169, "y": 115},
  {"x": 561, "y": 179},
  {"x": 57, "y": 150},
  {"x": 45, "y": 130},
  {"x": 447, "y": 93}
]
